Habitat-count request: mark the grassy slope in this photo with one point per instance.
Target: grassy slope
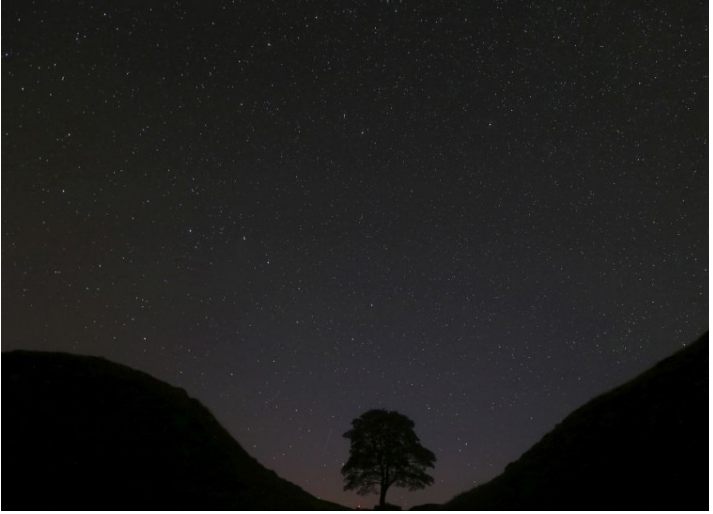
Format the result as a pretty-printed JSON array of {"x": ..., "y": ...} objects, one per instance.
[
  {"x": 83, "y": 433},
  {"x": 641, "y": 446}
]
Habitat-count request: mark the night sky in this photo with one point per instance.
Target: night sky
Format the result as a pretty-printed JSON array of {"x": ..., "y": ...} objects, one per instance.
[{"x": 479, "y": 214}]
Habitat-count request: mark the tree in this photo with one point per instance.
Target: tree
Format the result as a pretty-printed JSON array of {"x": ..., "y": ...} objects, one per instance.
[{"x": 385, "y": 451}]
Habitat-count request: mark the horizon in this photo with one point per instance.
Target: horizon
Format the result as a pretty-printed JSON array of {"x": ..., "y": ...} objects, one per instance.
[{"x": 365, "y": 504}]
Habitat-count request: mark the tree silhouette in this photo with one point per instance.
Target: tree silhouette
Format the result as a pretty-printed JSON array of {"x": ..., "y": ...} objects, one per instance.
[{"x": 385, "y": 451}]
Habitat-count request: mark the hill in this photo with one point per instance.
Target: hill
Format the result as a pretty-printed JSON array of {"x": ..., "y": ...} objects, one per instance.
[
  {"x": 84, "y": 433},
  {"x": 641, "y": 446}
]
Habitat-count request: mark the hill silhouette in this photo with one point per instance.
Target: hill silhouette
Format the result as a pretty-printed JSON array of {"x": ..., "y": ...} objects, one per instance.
[
  {"x": 641, "y": 446},
  {"x": 84, "y": 433}
]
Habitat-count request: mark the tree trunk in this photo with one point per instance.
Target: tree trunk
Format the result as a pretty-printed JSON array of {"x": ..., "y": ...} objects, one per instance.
[{"x": 382, "y": 495}]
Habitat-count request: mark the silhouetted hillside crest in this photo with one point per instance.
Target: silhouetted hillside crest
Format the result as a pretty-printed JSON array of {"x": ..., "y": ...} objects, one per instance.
[
  {"x": 84, "y": 433},
  {"x": 641, "y": 446}
]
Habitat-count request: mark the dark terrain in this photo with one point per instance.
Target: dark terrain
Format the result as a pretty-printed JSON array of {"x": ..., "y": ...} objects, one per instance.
[
  {"x": 83, "y": 433},
  {"x": 641, "y": 446}
]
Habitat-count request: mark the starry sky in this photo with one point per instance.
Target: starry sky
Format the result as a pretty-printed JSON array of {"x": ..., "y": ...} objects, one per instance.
[{"x": 479, "y": 214}]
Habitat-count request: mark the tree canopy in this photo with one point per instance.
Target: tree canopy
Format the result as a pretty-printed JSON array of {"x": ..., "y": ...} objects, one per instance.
[{"x": 385, "y": 451}]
